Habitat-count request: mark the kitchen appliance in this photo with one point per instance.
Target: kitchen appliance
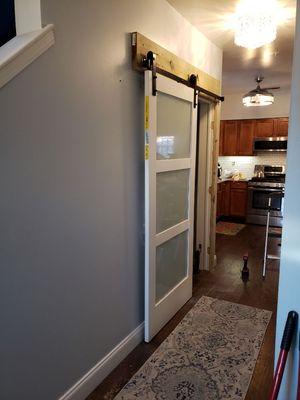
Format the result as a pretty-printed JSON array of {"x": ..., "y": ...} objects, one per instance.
[
  {"x": 270, "y": 144},
  {"x": 267, "y": 180},
  {"x": 219, "y": 171}
]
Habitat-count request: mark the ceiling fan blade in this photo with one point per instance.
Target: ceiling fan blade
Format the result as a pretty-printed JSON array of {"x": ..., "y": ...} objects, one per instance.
[{"x": 271, "y": 88}]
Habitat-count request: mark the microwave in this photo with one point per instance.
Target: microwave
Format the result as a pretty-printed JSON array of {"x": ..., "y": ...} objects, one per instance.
[{"x": 270, "y": 144}]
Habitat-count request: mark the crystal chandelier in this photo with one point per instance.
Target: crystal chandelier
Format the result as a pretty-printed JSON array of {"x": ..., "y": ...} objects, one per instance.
[{"x": 256, "y": 23}]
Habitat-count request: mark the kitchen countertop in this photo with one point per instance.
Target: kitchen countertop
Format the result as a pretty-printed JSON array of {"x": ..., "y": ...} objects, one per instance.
[{"x": 232, "y": 180}]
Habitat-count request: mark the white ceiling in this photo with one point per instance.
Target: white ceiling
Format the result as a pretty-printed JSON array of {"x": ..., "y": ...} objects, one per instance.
[{"x": 240, "y": 66}]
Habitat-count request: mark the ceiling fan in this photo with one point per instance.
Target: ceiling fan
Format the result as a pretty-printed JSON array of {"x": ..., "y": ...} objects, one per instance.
[{"x": 259, "y": 96}]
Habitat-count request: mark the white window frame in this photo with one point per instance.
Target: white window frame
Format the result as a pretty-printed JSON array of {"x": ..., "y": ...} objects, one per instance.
[
  {"x": 28, "y": 16},
  {"x": 31, "y": 40}
]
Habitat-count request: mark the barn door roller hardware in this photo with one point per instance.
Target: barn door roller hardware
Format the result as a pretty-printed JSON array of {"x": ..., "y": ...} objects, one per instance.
[
  {"x": 193, "y": 83},
  {"x": 146, "y": 54},
  {"x": 149, "y": 62}
]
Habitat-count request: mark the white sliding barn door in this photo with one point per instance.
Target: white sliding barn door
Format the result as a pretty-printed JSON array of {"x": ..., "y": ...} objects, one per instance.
[{"x": 170, "y": 143}]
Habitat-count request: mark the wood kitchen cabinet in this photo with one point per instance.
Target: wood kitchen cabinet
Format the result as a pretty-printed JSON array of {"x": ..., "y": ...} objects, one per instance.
[
  {"x": 223, "y": 199},
  {"x": 271, "y": 127},
  {"x": 220, "y": 195},
  {"x": 238, "y": 199},
  {"x": 264, "y": 127},
  {"x": 236, "y": 136},
  {"x": 232, "y": 199},
  {"x": 245, "y": 137},
  {"x": 281, "y": 127},
  {"x": 219, "y": 200},
  {"x": 225, "y": 207},
  {"x": 230, "y": 138}
]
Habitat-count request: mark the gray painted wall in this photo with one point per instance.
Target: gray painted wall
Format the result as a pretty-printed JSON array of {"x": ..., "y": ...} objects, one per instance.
[
  {"x": 289, "y": 292},
  {"x": 71, "y": 143}
]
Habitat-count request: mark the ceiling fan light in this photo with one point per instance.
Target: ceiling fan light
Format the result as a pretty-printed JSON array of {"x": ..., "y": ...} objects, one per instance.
[
  {"x": 255, "y": 27},
  {"x": 258, "y": 99}
]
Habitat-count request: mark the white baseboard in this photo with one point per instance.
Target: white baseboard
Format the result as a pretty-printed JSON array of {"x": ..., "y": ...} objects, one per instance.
[{"x": 95, "y": 376}]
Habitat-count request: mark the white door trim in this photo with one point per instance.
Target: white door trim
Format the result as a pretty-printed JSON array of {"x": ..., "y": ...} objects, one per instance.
[
  {"x": 170, "y": 165},
  {"x": 175, "y": 230}
]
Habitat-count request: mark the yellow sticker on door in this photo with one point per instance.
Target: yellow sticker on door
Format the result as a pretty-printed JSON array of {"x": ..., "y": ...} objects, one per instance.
[
  {"x": 147, "y": 112},
  {"x": 146, "y": 151}
]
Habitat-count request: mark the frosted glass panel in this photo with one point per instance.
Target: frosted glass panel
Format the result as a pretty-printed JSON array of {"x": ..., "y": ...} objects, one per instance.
[
  {"x": 173, "y": 127},
  {"x": 172, "y": 198},
  {"x": 171, "y": 264}
]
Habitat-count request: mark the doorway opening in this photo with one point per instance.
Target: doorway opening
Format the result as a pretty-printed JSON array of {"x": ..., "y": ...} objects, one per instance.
[{"x": 203, "y": 185}]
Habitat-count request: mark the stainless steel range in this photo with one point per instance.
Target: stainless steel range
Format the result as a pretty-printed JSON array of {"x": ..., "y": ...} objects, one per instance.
[{"x": 267, "y": 180}]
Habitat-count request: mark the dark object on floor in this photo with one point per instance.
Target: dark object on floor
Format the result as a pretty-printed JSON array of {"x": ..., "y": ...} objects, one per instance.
[
  {"x": 245, "y": 270},
  {"x": 289, "y": 330},
  {"x": 196, "y": 266},
  {"x": 193, "y": 362}
]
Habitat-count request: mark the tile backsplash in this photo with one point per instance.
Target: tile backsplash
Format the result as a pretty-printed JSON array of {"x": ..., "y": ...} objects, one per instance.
[{"x": 246, "y": 164}]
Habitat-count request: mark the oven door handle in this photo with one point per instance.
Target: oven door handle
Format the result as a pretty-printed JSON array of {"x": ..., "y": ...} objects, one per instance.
[{"x": 266, "y": 190}]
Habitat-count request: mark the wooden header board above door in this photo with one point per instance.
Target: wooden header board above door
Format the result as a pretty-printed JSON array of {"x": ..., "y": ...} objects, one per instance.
[{"x": 169, "y": 62}]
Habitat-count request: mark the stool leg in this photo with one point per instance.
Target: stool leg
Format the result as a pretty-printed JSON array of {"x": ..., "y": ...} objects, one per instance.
[{"x": 266, "y": 242}]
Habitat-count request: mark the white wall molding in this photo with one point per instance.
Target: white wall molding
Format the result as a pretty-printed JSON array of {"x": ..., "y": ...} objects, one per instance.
[
  {"x": 22, "y": 50},
  {"x": 95, "y": 375}
]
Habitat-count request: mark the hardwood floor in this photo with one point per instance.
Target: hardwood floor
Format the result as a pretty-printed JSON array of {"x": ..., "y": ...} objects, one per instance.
[{"x": 224, "y": 282}]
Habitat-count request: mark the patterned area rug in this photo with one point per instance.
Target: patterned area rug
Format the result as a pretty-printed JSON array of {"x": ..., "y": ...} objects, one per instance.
[
  {"x": 210, "y": 355},
  {"x": 229, "y": 228}
]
